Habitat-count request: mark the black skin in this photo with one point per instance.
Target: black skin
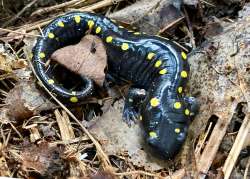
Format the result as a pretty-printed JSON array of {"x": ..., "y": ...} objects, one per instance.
[{"x": 156, "y": 67}]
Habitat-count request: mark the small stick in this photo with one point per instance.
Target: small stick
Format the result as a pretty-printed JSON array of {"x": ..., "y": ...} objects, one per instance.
[
  {"x": 20, "y": 13},
  {"x": 95, "y": 6},
  {"x": 58, "y": 6},
  {"x": 170, "y": 25},
  {"x": 138, "y": 172},
  {"x": 241, "y": 138},
  {"x": 98, "y": 5},
  {"x": 202, "y": 142},
  {"x": 190, "y": 29},
  {"x": 21, "y": 33},
  {"x": 247, "y": 169},
  {"x": 208, "y": 3}
]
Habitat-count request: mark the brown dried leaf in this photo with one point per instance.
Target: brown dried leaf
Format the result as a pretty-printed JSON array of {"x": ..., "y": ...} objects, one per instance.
[
  {"x": 5, "y": 63},
  {"x": 150, "y": 16},
  {"x": 25, "y": 100},
  {"x": 121, "y": 139},
  {"x": 4, "y": 169},
  {"x": 88, "y": 58},
  {"x": 43, "y": 159},
  {"x": 20, "y": 63},
  {"x": 8, "y": 61}
]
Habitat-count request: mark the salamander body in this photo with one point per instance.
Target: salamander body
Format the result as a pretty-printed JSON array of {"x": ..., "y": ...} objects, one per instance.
[{"x": 151, "y": 63}]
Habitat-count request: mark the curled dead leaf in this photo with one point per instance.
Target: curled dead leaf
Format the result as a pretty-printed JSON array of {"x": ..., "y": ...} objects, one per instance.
[
  {"x": 25, "y": 100},
  {"x": 88, "y": 58}
]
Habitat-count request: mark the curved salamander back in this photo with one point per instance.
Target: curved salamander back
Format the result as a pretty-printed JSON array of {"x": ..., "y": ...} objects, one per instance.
[{"x": 65, "y": 30}]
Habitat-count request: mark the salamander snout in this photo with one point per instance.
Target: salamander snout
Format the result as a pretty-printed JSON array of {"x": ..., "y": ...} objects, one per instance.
[{"x": 167, "y": 140}]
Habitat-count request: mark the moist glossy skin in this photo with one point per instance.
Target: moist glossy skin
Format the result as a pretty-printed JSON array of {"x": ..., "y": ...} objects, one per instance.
[{"x": 151, "y": 63}]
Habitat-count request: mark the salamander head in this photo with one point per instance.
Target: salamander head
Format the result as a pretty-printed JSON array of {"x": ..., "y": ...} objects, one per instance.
[{"x": 168, "y": 136}]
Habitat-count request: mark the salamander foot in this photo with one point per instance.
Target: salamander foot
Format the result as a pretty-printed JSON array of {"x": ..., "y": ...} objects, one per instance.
[{"x": 130, "y": 115}]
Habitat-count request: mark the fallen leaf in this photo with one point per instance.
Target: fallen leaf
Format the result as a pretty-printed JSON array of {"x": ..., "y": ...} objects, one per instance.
[{"x": 88, "y": 58}]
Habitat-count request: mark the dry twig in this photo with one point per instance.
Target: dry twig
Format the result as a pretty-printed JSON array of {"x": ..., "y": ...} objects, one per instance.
[{"x": 19, "y": 13}]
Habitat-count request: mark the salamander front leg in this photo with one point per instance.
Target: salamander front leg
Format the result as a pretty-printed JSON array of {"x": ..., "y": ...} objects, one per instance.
[{"x": 131, "y": 107}]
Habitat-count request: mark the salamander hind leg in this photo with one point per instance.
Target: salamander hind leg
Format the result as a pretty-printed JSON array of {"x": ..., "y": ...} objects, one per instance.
[{"x": 131, "y": 107}]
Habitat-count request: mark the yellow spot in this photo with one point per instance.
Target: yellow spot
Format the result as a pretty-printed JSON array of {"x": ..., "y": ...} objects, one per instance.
[
  {"x": 150, "y": 55},
  {"x": 42, "y": 55},
  {"x": 130, "y": 31},
  {"x": 51, "y": 35},
  {"x": 184, "y": 55},
  {"x": 50, "y": 81},
  {"x": 137, "y": 33},
  {"x": 121, "y": 27},
  {"x": 113, "y": 20},
  {"x": 91, "y": 24},
  {"x": 60, "y": 24},
  {"x": 177, "y": 130},
  {"x": 152, "y": 134},
  {"x": 77, "y": 19},
  {"x": 158, "y": 63},
  {"x": 184, "y": 74},
  {"x": 109, "y": 39},
  {"x": 140, "y": 118},
  {"x": 98, "y": 30},
  {"x": 180, "y": 89},
  {"x": 154, "y": 102},
  {"x": 177, "y": 105},
  {"x": 163, "y": 71},
  {"x": 74, "y": 99},
  {"x": 187, "y": 112},
  {"x": 125, "y": 46}
]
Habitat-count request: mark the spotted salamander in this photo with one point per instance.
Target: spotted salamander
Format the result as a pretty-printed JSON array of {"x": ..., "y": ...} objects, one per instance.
[{"x": 157, "y": 68}]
